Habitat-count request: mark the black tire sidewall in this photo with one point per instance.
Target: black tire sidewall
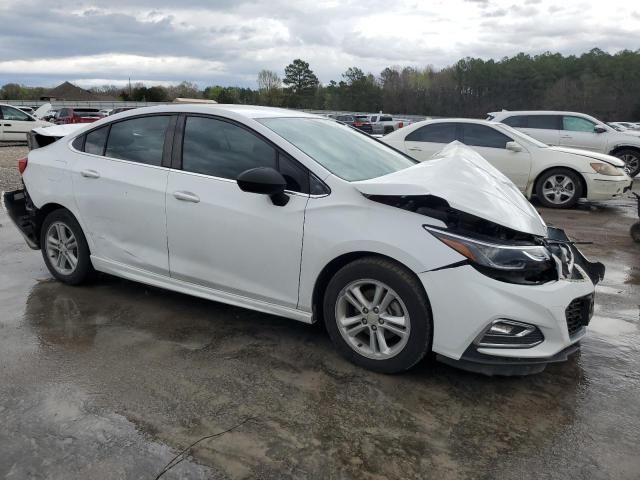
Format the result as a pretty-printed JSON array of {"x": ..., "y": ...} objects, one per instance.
[
  {"x": 575, "y": 177},
  {"x": 84, "y": 267},
  {"x": 404, "y": 283}
]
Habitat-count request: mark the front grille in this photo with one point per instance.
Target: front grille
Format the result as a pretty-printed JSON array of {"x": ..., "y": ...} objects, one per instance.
[{"x": 579, "y": 313}]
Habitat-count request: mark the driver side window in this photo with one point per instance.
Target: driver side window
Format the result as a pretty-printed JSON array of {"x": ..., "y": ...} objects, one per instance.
[
  {"x": 10, "y": 113},
  {"x": 577, "y": 124}
]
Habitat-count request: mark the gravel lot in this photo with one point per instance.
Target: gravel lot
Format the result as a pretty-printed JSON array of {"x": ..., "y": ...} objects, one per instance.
[
  {"x": 112, "y": 379},
  {"x": 9, "y": 155}
]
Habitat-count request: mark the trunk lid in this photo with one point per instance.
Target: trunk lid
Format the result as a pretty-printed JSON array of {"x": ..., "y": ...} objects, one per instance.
[{"x": 468, "y": 183}]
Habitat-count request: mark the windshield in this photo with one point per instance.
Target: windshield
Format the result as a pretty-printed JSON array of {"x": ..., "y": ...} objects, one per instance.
[
  {"x": 340, "y": 149},
  {"x": 519, "y": 135}
]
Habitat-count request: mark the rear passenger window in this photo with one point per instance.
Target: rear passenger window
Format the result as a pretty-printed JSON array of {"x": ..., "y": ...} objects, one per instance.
[
  {"x": 386, "y": 119},
  {"x": 544, "y": 122},
  {"x": 138, "y": 140},
  {"x": 221, "y": 149},
  {"x": 96, "y": 140},
  {"x": 517, "y": 121},
  {"x": 435, "y": 133},
  {"x": 483, "y": 136}
]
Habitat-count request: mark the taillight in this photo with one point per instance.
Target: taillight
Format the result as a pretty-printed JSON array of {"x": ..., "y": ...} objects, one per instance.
[
  {"x": 357, "y": 124},
  {"x": 22, "y": 165},
  {"x": 400, "y": 124}
]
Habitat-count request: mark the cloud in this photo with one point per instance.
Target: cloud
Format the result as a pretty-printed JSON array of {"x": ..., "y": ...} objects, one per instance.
[{"x": 229, "y": 41}]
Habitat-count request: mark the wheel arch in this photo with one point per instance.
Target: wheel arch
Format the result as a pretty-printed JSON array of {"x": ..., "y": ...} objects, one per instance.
[
  {"x": 618, "y": 148},
  {"x": 43, "y": 212},
  {"x": 331, "y": 268},
  {"x": 583, "y": 182}
]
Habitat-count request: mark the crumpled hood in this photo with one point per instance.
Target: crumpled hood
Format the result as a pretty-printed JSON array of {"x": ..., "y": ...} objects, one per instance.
[
  {"x": 603, "y": 157},
  {"x": 468, "y": 183}
]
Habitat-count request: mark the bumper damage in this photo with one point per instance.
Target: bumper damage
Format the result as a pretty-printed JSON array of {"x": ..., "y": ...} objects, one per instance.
[{"x": 23, "y": 214}]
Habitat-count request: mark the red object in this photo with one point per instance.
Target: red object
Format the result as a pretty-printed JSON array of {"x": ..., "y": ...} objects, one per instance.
[
  {"x": 400, "y": 124},
  {"x": 357, "y": 124},
  {"x": 82, "y": 116},
  {"x": 22, "y": 165}
]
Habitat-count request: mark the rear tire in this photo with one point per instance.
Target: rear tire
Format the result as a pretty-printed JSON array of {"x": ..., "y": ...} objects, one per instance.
[
  {"x": 632, "y": 159},
  {"x": 559, "y": 188},
  {"x": 390, "y": 306},
  {"x": 64, "y": 248}
]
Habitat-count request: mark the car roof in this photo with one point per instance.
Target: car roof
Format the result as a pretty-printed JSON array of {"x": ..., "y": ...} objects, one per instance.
[
  {"x": 458, "y": 120},
  {"x": 534, "y": 112},
  {"x": 247, "y": 111}
]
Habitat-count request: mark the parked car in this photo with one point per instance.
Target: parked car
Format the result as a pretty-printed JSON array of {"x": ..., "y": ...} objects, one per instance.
[
  {"x": 297, "y": 215},
  {"x": 361, "y": 122},
  {"x": 50, "y": 116},
  {"x": 628, "y": 125},
  {"x": 77, "y": 115},
  {"x": 558, "y": 176},
  {"x": 105, "y": 112},
  {"x": 14, "y": 124},
  {"x": 384, "y": 124},
  {"x": 28, "y": 110},
  {"x": 120, "y": 109},
  {"x": 577, "y": 130}
]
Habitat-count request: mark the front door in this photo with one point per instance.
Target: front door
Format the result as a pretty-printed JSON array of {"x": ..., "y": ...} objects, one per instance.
[
  {"x": 226, "y": 239},
  {"x": 490, "y": 143},
  {"x": 578, "y": 132}
]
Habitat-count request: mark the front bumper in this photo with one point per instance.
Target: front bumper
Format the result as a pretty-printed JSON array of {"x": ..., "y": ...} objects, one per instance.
[
  {"x": 601, "y": 187},
  {"x": 464, "y": 302}
]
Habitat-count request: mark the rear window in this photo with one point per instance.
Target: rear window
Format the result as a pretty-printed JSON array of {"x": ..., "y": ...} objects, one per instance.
[{"x": 86, "y": 113}]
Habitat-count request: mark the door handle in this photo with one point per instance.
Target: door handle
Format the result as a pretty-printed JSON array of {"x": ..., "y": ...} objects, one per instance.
[
  {"x": 566, "y": 136},
  {"x": 186, "y": 197},
  {"x": 415, "y": 149},
  {"x": 6, "y": 125},
  {"x": 90, "y": 174}
]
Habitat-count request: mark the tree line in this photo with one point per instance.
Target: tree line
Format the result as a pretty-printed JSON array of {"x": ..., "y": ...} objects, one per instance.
[{"x": 599, "y": 83}]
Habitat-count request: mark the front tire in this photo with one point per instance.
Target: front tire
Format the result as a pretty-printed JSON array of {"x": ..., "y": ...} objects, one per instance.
[
  {"x": 632, "y": 160},
  {"x": 378, "y": 315},
  {"x": 559, "y": 188},
  {"x": 64, "y": 248}
]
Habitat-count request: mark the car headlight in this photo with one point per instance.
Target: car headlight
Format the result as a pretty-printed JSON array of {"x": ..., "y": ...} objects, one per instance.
[
  {"x": 524, "y": 264},
  {"x": 605, "y": 169}
]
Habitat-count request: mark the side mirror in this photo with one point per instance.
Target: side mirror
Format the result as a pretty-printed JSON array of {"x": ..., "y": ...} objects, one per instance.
[
  {"x": 513, "y": 146},
  {"x": 265, "y": 181},
  {"x": 599, "y": 129}
]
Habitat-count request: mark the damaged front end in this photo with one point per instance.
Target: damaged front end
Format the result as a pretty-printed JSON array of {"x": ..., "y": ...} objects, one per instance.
[{"x": 497, "y": 251}]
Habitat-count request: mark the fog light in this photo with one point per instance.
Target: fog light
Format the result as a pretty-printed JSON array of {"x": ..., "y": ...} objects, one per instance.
[{"x": 505, "y": 333}]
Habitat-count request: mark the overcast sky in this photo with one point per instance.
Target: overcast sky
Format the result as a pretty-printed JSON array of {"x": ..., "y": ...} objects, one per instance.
[{"x": 228, "y": 41}]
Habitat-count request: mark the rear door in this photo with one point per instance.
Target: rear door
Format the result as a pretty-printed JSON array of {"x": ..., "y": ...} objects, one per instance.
[
  {"x": 490, "y": 143},
  {"x": 226, "y": 239},
  {"x": 15, "y": 124},
  {"x": 119, "y": 180},
  {"x": 424, "y": 142},
  {"x": 578, "y": 132},
  {"x": 544, "y": 128}
]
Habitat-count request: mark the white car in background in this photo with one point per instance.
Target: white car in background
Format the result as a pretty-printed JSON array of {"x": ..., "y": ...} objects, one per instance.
[
  {"x": 15, "y": 124},
  {"x": 558, "y": 176},
  {"x": 297, "y": 215},
  {"x": 575, "y": 130}
]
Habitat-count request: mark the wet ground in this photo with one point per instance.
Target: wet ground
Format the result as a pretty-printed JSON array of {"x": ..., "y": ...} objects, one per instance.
[{"x": 113, "y": 379}]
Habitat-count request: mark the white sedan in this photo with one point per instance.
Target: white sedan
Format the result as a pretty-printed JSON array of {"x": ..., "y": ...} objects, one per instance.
[
  {"x": 300, "y": 216},
  {"x": 558, "y": 176}
]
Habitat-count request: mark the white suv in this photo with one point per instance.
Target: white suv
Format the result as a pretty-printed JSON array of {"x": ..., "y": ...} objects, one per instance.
[{"x": 571, "y": 129}]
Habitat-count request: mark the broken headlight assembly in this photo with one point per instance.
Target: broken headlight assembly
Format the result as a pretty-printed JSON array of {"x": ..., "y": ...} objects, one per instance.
[{"x": 523, "y": 264}]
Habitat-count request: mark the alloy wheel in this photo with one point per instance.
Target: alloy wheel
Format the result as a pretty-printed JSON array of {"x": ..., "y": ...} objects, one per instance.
[
  {"x": 632, "y": 163},
  {"x": 62, "y": 248},
  {"x": 558, "y": 189},
  {"x": 372, "y": 319}
]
